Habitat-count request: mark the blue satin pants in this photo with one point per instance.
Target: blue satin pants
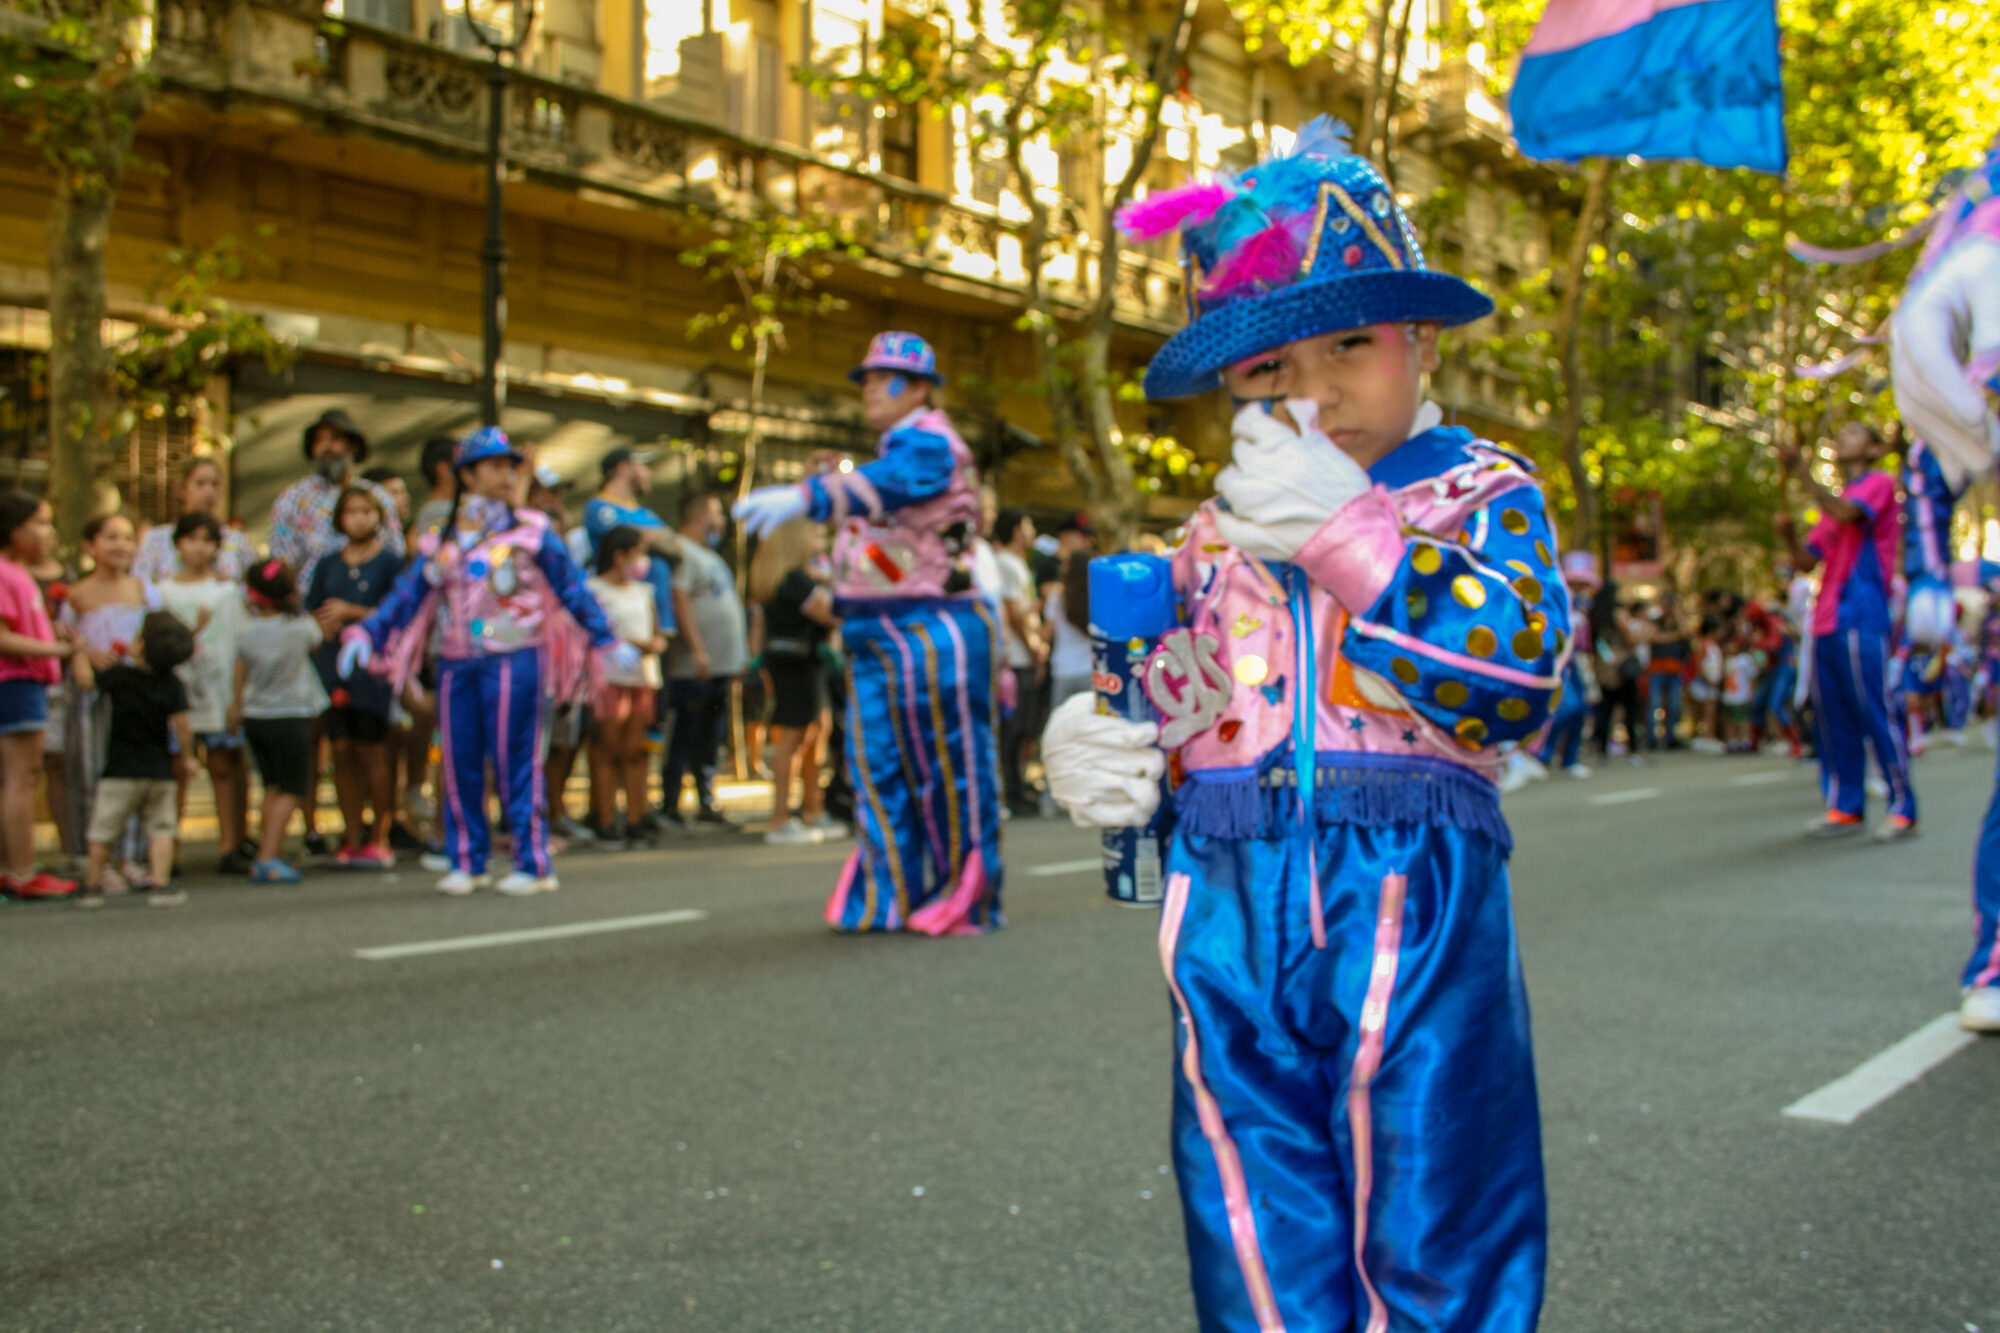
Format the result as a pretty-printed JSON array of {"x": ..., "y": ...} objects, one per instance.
[
  {"x": 1355, "y": 1126},
  {"x": 1852, "y": 700},
  {"x": 1983, "y": 968},
  {"x": 490, "y": 710},
  {"x": 921, "y": 698}
]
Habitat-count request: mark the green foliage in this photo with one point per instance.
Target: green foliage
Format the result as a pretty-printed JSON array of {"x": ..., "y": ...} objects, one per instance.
[
  {"x": 163, "y": 368},
  {"x": 772, "y": 264},
  {"x": 76, "y": 74},
  {"x": 1689, "y": 294}
]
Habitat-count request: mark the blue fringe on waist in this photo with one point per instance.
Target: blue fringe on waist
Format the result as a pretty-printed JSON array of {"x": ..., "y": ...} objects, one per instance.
[{"x": 1349, "y": 788}]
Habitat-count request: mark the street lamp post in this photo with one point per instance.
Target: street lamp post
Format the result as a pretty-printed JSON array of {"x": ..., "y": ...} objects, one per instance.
[{"x": 519, "y": 19}]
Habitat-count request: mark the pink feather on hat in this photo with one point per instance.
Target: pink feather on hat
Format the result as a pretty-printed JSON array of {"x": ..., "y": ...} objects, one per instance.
[
  {"x": 1183, "y": 206},
  {"x": 1266, "y": 256}
]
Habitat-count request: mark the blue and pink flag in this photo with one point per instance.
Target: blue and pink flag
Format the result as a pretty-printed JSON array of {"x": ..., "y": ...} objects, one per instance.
[{"x": 1659, "y": 79}]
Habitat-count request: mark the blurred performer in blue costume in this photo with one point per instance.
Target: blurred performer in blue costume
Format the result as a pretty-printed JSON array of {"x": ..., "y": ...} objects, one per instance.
[
  {"x": 514, "y": 625},
  {"x": 1930, "y": 613},
  {"x": 920, "y": 647},
  {"x": 1373, "y": 603}
]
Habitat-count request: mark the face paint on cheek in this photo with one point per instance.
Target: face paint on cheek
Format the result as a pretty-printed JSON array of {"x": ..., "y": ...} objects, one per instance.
[{"x": 897, "y": 384}]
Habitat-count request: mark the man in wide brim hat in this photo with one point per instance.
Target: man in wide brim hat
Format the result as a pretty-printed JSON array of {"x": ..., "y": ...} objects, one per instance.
[{"x": 339, "y": 426}]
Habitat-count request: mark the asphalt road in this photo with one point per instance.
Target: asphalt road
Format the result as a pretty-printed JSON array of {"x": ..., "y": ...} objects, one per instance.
[{"x": 220, "y": 1118}]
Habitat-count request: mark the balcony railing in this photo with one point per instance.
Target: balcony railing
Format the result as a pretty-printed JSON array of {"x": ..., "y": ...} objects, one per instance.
[{"x": 371, "y": 80}]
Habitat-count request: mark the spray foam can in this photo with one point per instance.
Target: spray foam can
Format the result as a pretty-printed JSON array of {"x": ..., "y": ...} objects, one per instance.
[{"x": 1132, "y": 604}]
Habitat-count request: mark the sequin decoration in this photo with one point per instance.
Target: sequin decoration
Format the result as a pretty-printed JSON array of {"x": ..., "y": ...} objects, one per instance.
[
  {"x": 1404, "y": 670},
  {"x": 1481, "y": 641},
  {"x": 1426, "y": 559},
  {"x": 1543, "y": 554},
  {"x": 1515, "y": 522},
  {"x": 1529, "y": 587},
  {"x": 1469, "y": 592},
  {"x": 1451, "y": 693},
  {"x": 1512, "y": 709},
  {"x": 1418, "y": 604},
  {"x": 1379, "y": 205},
  {"x": 1227, "y": 731},
  {"x": 1251, "y": 669},
  {"x": 1527, "y": 645},
  {"x": 1245, "y": 626},
  {"x": 1470, "y": 730},
  {"x": 1342, "y": 224}
]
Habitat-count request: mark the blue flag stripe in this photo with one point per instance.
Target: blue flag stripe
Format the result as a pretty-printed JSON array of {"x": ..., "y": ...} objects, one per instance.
[{"x": 1700, "y": 81}]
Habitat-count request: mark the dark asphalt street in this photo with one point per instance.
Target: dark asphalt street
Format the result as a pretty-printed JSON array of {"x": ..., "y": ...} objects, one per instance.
[{"x": 220, "y": 1118}]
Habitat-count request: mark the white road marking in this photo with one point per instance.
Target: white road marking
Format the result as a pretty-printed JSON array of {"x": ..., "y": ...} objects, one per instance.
[
  {"x": 1066, "y": 867},
  {"x": 505, "y": 937},
  {"x": 1623, "y": 797},
  {"x": 1843, "y": 1101},
  {"x": 1759, "y": 779}
]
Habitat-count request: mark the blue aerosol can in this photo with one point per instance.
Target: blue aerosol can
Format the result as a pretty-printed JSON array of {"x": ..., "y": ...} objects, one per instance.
[{"x": 1132, "y": 604}]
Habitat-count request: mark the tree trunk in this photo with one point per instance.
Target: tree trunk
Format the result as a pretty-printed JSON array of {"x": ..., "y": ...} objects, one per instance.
[
  {"x": 83, "y": 408},
  {"x": 1391, "y": 89},
  {"x": 1378, "y": 62},
  {"x": 1585, "y": 536}
]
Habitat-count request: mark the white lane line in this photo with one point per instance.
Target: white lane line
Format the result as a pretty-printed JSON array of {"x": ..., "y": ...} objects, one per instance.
[
  {"x": 1066, "y": 867},
  {"x": 1842, "y": 1101},
  {"x": 1759, "y": 779},
  {"x": 1622, "y": 797},
  {"x": 505, "y": 937}
]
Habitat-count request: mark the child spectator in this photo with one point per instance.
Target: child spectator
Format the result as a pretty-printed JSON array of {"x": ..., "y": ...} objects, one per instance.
[
  {"x": 104, "y": 611},
  {"x": 798, "y": 618},
  {"x": 29, "y": 653},
  {"x": 276, "y": 697},
  {"x": 53, "y": 576},
  {"x": 212, "y": 607},
  {"x": 624, "y": 705},
  {"x": 1739, "y": 688},
  {"x": 148, "y": 754},
  {"x": 344, "y": 589}
]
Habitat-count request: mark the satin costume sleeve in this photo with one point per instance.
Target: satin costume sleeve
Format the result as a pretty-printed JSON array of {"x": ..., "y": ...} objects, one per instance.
[
  {"x": 405, "y": 599},
  {"x": 915, "y": 465},
  {"x": 566, "y": 583},
  {"x": 1471, "y": 630}
]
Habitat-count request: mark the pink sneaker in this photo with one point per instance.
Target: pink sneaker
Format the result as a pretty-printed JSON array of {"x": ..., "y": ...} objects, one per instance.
[{"x": 375, "y": 856}]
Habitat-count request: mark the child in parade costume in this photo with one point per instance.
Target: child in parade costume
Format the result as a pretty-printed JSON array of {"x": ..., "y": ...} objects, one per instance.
[
  {"x": 513, "y": 614},
  {"x": 1372, "y": 605},
  {"x": 920, "y": 643},
  {"x": 1857, "y": 539}
]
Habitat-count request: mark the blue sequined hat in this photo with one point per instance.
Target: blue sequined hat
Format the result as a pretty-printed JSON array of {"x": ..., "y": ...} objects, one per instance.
[
  {"x": 484, "y": 443},
  {"x": 1304, "y": 243}
]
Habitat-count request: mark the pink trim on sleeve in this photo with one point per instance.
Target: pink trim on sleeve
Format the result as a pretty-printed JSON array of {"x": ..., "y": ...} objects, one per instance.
[{"x": 1356, "y": 553}]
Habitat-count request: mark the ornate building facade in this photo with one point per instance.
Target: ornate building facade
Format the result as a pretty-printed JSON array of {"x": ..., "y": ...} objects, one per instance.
[{"x": 344, "y": 151}]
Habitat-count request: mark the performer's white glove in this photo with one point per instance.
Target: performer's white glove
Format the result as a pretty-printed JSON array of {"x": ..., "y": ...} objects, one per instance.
[
  {"x": 1930, "y": 613},
  {"x": 623, "y": 659},
  {"x": 355, "y": 651},
  {"x": 1104, "y": 770},
  {"x": 1282, "y": 485},
  {"x": 770, "y": 507}
]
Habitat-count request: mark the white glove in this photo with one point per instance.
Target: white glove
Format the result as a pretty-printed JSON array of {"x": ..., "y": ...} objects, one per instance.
[
  {"x": 1104, "y": 770},
  {"x": 623, "y": 659},
  {"x": 770, "y": 507},
  {"x": 1283, "y": 485},
  {"x": 355, "y": 652},
  {"x": 1930, "y": 614}
]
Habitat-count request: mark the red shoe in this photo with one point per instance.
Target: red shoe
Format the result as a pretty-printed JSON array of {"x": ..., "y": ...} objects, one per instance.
[
  {"x": 1834, "y": 824},
  {"x": 41, "y": 886}
]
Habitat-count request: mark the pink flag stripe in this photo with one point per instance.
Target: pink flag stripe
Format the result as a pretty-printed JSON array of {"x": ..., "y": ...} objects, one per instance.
[{"x": 1568, "y": 24}]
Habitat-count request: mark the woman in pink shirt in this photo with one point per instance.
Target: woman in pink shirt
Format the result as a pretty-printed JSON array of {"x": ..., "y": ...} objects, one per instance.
[{"x": 29, "y": 652}]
